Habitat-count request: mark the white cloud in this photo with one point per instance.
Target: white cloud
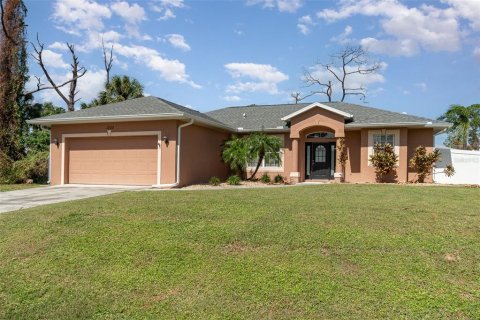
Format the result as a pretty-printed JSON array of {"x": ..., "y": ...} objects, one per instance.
[
  {"x": 282, "y": 5},
  {"x": 178, "y": 41},
  {"x": 232, "y": 98},
  {"x": 304, "y": 24},
  {"x": 166, "y": 7},
  {"x": 467, "y": 9},
  {"x": 80, "y": 14},
  {"x": 58, "y": 46},
  {"x": 476, "y": 53},
  {"x": 422, "y": 86},
  {"x": 343, "y": 38},
  {"x": 53, "y": 59},
  {"x": 94, "y": 40},
  {"x": 408, "y": 28},
  {"x": 404, "y": 47},
  {"x": 170, "y": 70},
  {"x": 265, "y": 78},
  {"x": 133, "y": 14}
]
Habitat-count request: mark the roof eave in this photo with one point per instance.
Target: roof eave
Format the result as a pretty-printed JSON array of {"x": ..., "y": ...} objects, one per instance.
[
  {"x": 400, "y": 124},
  {"x": 127, "y": 118}
]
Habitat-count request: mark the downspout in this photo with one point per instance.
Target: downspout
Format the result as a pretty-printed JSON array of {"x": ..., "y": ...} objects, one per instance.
[
  {"x": 50, "y": 157},
  {"x": 179, "y": 142}
]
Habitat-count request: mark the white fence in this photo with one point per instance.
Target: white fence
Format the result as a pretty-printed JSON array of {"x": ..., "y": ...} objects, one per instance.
[{"x": 466, "y": 165}]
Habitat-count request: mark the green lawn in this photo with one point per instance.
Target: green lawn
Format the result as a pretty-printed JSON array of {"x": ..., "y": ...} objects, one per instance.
[
  {"x": 12, "y": 187},
  {"x": 329, "y": 251}
]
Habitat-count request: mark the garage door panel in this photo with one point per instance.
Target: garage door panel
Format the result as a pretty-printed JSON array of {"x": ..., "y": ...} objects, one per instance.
[{"x": 113, "y": 160}]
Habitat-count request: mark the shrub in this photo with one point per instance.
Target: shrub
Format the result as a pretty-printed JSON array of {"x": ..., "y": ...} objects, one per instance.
[
  {"x": 5, "y": 168},
  {"x": 278, "y": 179},
  {"x": 265, "y": 178},
  {"x": 384, "y": 160},
  {"x": 233, "y": 180},
  {"x": 449, "y": 170},
  {"x": 33, "y": 166},
  {"x": 214, "y": 181},
  {"x": 423, "y": 162}
]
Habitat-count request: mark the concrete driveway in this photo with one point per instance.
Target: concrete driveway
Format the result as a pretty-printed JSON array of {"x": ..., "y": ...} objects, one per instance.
[{"x": 28, "y": 198}]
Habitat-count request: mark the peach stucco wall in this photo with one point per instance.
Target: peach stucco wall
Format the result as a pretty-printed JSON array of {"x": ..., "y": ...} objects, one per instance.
[
  {"x": 357, "y": 167},
  {"x": 201, "y": 148},
  {"x": 168, "y": 128},
  {"x": 201, "y": 155}
]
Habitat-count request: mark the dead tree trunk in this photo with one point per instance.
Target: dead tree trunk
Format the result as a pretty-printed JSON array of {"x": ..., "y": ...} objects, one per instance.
[{"x": 77, "y": 73}]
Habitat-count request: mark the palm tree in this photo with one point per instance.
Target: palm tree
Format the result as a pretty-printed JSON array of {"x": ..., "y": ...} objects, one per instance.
[
  {"x": 120, "y": 88},
  {"x": 260, "y": 145},
  {"x": 235, "y": 154},
  {"x": 466, "y": 123}
]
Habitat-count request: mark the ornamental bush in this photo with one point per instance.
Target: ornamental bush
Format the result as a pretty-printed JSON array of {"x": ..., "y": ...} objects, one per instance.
[
  {"x": 423, "y": 162},
  {"x": 233, "y": 180},
  {"x": 214, "y": 181},
  {"x": 384, "y": 160},
  {"x": 265, "y": 178},
  {"x": 278, "y": 179}
]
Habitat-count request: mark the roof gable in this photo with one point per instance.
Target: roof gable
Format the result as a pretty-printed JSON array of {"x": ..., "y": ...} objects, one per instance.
[{"x": 317, "y": 105}]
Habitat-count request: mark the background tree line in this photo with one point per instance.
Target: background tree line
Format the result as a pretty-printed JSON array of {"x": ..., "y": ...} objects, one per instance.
[{"x": 24, "y": 148}]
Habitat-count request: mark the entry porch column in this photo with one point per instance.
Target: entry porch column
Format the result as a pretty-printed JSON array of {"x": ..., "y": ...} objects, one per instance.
[{"x": 295, "y": 174}]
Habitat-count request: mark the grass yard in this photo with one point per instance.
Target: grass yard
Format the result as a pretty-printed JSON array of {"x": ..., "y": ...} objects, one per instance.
[
  {"x": 329, "y": 251},
  {"x": 13, "y": 187}
]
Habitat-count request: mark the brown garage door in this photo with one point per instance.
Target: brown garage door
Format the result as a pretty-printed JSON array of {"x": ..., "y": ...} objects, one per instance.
[{"x": 112, "y": 160}]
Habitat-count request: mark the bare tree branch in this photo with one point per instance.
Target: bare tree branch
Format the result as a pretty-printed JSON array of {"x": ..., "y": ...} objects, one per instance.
[
  {"x": 297, "y": 96},
  {"x": 344, "y": 64},
  {"x": 77, "y": 72},
  {"x": 107, "y": 60}
]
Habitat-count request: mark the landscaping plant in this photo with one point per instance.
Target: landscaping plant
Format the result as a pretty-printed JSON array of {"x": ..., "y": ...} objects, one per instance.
[
  {"x": 384, "y": 160},
  {"x": 233, "y": 180},
  {"x": 422, "y": 162},
  {"x": 238, "y": 151},
  {"x": 235, "y": 154},
  {"x": 265, "y": 178},
  {"x": 278, "y": 179},
  {"x": 259, "y": 144},
  {"x": 342, "y": 156},
  {"x": 214, "y": 181}
]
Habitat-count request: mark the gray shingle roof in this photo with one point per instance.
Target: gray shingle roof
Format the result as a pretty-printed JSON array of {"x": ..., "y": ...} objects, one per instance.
[
  {"x": 145, "y": 106},
  {"x": 258, "y": 117},
  {"x": 250, "y": 118}
]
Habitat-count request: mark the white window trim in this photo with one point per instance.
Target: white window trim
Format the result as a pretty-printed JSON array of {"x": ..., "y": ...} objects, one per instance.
[
  {"x": 113, "y": 134},
  {"x": 371, "y": 133}
]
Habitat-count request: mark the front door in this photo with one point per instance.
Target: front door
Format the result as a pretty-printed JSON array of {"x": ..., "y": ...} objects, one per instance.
[{"x": 320, "y": 159}]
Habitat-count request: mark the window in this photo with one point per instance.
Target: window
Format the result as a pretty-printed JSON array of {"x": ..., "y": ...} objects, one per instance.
[
  {"x": 320, "y": 135},
  {"x": 320, "y": 154},
  {"x": 268, "y": 161},
  {"x": 391, "y": 136},
  {"x": 383, "y": 139}
]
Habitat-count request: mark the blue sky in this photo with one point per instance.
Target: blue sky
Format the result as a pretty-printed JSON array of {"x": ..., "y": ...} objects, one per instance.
[{"x": 212, "y": 54}]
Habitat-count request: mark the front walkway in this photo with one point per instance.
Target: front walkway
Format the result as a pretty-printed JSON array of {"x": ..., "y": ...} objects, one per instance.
[{"x": 28, "y": 198}]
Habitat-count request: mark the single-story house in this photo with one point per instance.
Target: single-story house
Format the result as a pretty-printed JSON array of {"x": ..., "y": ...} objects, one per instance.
[{"x": 152, "y": 141}]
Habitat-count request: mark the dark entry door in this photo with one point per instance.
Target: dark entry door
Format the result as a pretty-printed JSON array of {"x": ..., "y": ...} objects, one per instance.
[{"x": 320, "y": 160}]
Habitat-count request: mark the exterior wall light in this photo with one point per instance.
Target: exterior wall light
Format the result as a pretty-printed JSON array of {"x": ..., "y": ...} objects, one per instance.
[
  {"x": 55, "y": 141},
  {"x": 109, "y": 131},
  {"x": 165, "y": 139}
]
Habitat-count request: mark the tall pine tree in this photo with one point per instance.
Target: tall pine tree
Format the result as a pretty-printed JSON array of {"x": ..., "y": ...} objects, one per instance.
[{"x": 13, "y": 77}]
